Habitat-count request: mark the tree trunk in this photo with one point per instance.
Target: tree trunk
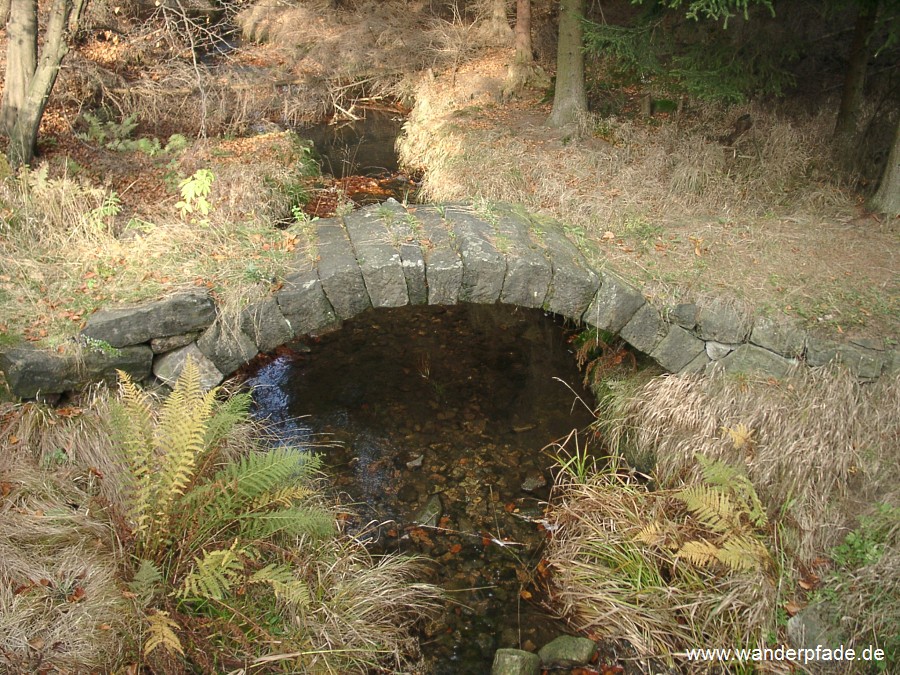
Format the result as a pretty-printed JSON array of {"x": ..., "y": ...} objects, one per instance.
[
  {"x": 497, "y": 31},
  {"x": 524, "y": 52},
  {"x": 887, "y": 198},
  {"x": 4, "y": 11},
  {"x": 21, "y": 60},
  {"x": 569, "y": 99},
  {"x": 847, "y": 125},
  {"x": 22, "y": 111}
]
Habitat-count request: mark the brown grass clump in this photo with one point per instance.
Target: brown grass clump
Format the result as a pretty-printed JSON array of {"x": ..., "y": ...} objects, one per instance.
[
  {"x": 813, "y": 445},
  {"x": 612, "y": 579},
  {"x": 60, "y": 604}
]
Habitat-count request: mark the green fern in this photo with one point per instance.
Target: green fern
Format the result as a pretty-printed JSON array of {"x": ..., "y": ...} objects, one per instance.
[
  {"x": 146, "y": 582},
  {"x": 729, "y": 478},
  {"x": 213, "y": 576},
  {"x": 284, "y": 583}
]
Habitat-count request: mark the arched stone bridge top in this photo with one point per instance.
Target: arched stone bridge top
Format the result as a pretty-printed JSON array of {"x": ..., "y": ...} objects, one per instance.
[{"x": 389, "y": 255}]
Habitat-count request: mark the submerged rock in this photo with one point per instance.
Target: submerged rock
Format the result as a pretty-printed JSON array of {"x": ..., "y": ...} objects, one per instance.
[{"x": 431, "y": 513}]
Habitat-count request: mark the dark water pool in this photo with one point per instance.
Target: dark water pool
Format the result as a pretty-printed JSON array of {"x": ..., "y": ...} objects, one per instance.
[
  {"x": 440, "y": 416},
  {"x": 362, "y": 147}
]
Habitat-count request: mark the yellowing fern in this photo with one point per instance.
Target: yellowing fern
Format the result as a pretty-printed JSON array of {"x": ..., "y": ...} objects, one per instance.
[
  {"x": 213, "y": 575},
  {"x": 161, "y": 633}
]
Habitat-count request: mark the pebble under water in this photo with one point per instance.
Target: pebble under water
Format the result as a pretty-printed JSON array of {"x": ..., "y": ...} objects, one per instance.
[{"x": 438, "y": 417}]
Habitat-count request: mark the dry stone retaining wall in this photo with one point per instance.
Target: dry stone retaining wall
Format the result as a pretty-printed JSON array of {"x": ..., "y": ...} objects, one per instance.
[{"x": 389, "y": 256}]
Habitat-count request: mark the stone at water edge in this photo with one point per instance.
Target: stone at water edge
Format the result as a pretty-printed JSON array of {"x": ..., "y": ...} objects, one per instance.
[
  {"x": 567, "y": 651},
  {"x": 431, "y": 513},
  {"x": 515, "y": 662}
]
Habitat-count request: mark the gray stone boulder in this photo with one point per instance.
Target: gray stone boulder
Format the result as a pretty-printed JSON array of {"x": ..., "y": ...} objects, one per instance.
[
  {"x": 567, "y": 651},
  {"x": 614, "y": 304},
  {"x": 677, "y": 349},
  {"x": 515, "y": 662},
  {"x": 645, "y": 330},
  {"x": 161, "y": 345},
  {"x": 751, "y": 359},
  {"x": 718, "y": 350},
  {"x": 227, "y": 346},
  {"x": 31, "y": 372},
  {"x": 723, "y": 322},
  {"x": 685, "y": 315},
  {"x": 862, "y": 362},
  {"x": 779, "y": 334},
  {"x": 167, "y": 367},
  {"x": 131, "y": 325}
]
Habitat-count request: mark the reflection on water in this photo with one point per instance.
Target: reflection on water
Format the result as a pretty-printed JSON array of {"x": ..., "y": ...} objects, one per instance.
[{"x": 439, "y": 416}]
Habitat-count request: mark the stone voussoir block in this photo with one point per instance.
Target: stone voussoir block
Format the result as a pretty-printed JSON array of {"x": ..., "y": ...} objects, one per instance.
[
  {"x": 573, "y": 283},
  {"x": 724, "y": 322},
  {"x": 339, "y": 271},
  {"x": 378, "y": 257},
  {"x": 227, "y": 346},
  {"x": 645, "y": 330},
  {"x": 176, "y": 314},
  {"x": 484, "y": 267},
  {"x": 303, "y": 304},
  {"x": 614, "y": 304},
  {"x": 406, "y": 232},
  {"x": 780, "y": 334},
  {"x": 443, "y": 266},
  {"x": 677, "y": 349},
  {"x": 528, "y": 271},
  {"x": 264, "y": 323},
  {"x": 168, "y": 367}
]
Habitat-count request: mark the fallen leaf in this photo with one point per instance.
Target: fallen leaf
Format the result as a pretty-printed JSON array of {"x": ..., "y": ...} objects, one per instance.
[
  {"x": 77, "y": 595},
  {"x": 792, "y": 608},
  {"x": 456, "y": 548},
  {"x": 524, "y": 594}
]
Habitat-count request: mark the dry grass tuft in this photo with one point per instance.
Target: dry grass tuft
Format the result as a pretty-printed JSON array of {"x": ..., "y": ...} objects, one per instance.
[
  {"x": 610, "y": 581},
  {"x": 60, "y": 604},
  {"x": 821, "y": 441}
]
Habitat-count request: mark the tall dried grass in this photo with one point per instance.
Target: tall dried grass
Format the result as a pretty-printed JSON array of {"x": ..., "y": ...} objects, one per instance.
[
  {"x": 821, "y": 441},
  {"x": 60, "y": 604}
]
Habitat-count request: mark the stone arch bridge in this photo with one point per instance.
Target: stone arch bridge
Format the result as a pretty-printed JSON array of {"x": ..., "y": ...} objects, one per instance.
[{"x": 389, "y": 255}]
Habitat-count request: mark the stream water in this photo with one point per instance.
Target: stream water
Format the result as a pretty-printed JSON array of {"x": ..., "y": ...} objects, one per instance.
[{"x": 438, "y": 417}]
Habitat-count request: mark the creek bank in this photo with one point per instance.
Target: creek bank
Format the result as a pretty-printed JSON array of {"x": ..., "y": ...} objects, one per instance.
[{"x": 390, "y": 255}]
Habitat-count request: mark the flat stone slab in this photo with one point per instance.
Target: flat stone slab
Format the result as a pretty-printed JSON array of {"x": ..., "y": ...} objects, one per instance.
[
  {"x": 567, "y": 651},
  {"x": 573, "y": 282},
  {"x": 443, "y": 265},
  {"x": 528, "y": 271},
  {"x": 484, "y": 267},
  {"x": 32, "y": 372},
  {"x": 614, "y": 304},
  {"x": 339, "y": 271},
  {"x": 779, "y": 334},
  {"x": 645, "y": 330},
  {"x": 378, "y": 256},
  {"x": 133, "y": 324},
  {"x": 303, "y": 304}
]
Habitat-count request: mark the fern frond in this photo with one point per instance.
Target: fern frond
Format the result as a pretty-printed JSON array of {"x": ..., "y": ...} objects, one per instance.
[
  {"x": 713, "y": 508},
  {"x": 146, "y": 580},
  {"x": 741, "y": 436},
  {"x": 281, "y": 579},
  {"x": 291, "y": 521},
  {"x": 226, "y": 416},
  {"x": 717, "y": 473},
  {"x": 651, "y": 535},
  {"x": 161, "y": 632},
  {"x": 742, "y": 552},
  {"x": 699, "y": 552},
  {"x": 285, "y": 496},
  {"x": 131, "y": 426},
  {"x": 213, "y": 575},
  {"x": 258, "y": 473},
  {"x": 734, "y": 480},
  {"x": 180, "y": 434}
]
